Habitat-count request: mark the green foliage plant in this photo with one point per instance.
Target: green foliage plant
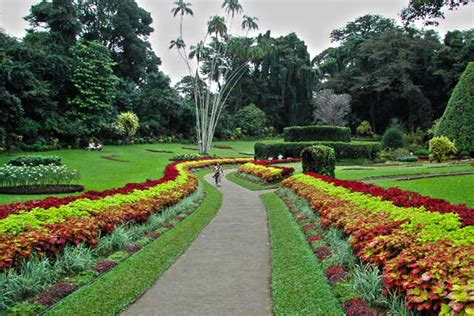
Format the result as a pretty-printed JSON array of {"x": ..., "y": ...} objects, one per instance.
[
  {"x": 35, "y": 160},
  {"x": 128, "y": 124},
  {"x": 393, "y": 138},
  {"x": 252, "y": 120},
  {"x": 440, "y": 148},
  {"x": 365, "y": 129},
  {"x": 319, "y": 159}
]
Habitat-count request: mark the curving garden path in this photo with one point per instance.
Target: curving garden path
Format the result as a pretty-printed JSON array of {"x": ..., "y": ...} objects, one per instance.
[{"x": 225, "y": 271}]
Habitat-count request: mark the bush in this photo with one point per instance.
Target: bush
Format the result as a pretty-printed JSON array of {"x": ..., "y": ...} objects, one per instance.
[
  {"x": 408, "y": 159},
  {"x": 393, "y": 138},
  {"x": 33, "y": 161},
  {"x": 354, "y": 150},
  {"x": 393, "y": 154},
  {"x": 365, "y": 129},
  {"x": 320, "y": 159},
  {"x": 440, "y": 148},
  {"x": 187, "y": 157},
  {"x": 457, "y": 122},
  {"x": 251, "y": 120},
  {"x": 317, "y": 133}
]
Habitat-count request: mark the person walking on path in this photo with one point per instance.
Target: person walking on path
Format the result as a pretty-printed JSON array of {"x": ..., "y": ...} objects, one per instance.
[{"x": 218, "y": 173}]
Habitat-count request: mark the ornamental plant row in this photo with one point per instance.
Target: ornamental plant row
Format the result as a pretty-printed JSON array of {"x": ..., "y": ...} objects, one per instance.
[
  {"x": 405, "y": 198},
  {"x": 428, "y": 256},
  {"x": 45, "y": 231},
  {"x": 267, "y": 173}
]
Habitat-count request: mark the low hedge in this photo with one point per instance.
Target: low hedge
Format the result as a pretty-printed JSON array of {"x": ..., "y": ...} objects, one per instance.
[
  {"x": 317, "y": 133},
  {"x": 35, "y": 160},
  {"x": 353, "y": 150}
]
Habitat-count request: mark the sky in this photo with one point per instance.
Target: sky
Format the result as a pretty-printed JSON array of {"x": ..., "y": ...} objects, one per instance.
[{"x": 311, "y": 20}]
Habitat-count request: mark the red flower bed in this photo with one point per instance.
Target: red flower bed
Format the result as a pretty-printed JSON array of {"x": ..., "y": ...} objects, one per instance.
[
  {"x": 335, "y": 274},
  {"x": 404, "y": 198},
  {"x": 357, "y": 307},
  {"x": 14, "y": 208},
  {"x": 56, "y": 293},
  {"x": 286, "y": 170},
  {"x": 323, "y": 252},
  {"x": 105, "y": 266}
]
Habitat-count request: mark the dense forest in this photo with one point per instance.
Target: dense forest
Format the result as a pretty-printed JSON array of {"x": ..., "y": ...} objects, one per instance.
[{"x": 83, "y": 62}]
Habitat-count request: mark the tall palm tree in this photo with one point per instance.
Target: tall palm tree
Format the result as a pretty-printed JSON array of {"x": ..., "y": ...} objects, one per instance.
[
  {"x": 249, "y": 23},
  {"x": 178, "y": 43},
  {"x": 216, "y": 25},
  {"x": 232, "y": 7},
  {"x": 197, "y": 51},
  {"x": 183, "y": 8}
]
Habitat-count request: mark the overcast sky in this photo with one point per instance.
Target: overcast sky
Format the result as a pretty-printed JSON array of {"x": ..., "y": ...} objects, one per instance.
[{"x": 311, "y": 20}]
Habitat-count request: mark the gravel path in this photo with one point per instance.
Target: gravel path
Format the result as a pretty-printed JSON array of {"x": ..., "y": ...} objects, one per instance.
[{"x": 225, "y": 271}]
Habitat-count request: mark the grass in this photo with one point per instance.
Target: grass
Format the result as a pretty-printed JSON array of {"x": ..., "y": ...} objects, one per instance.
[
  {"x": 250, "y": 185},
  {"x": 114, "y": 291},
  {"x": 380, "y": 171},
  {"x": 97, "y": 173},
  {"x": 299, "y": 285},
  {"x": 456, "y": 189}
]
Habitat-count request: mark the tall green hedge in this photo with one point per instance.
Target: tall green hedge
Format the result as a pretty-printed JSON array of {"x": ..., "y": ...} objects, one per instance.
[
  {"x": 317, "y": 133},
  {"x": 320, "y": 159},
  {"x": 344, "y": 150},
  {"x": 457, "y": 122}
]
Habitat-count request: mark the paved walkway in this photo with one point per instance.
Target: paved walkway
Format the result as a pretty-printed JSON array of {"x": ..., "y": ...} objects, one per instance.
[{"x": 225, "y": 271}]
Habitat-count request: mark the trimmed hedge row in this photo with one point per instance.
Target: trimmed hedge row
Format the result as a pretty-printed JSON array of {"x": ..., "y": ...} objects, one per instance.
[
  {"x": 343, "y": 150},
  {"x": 317, "y": 133}
]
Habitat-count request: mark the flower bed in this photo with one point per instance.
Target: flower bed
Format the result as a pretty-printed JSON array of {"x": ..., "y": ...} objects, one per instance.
[
  {"x": 405, "y": 198},
  {"x": 425, "y": 255},
  {"x": 47, "y": 226},
  {"x": 262, "y": 169}
]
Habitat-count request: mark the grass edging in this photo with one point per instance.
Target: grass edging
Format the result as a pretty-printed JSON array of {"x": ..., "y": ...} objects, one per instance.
[
  {"x": 250, "y": 185},
  {"x": 118, "y": 288},
  {"x": 299, "y": 285}
]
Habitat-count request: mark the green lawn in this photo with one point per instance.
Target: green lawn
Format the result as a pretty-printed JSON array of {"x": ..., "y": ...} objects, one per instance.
[
  {"x": 99, "y": 174},
  {"x": 456, "y": 189},
  {"x": 365, "y": 172}
]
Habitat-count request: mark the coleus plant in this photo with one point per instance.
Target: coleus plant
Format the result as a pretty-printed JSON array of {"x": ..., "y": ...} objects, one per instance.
[{"x": 426, "y": 255}]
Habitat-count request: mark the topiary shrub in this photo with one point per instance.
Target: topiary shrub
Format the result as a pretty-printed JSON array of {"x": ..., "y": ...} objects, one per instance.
[
  {"x": 440, "y": 148},
  {"x": 344, "y": 150},
  {"x": 320, "y": 159},
  {"x": 457, "y": 122},
  {"x": 393, "y": 138},
  {"x": 317, "y": 133}
]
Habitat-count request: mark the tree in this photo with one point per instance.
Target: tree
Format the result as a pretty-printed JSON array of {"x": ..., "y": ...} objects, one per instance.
[
  {"x": 428, "y": 10},
  {"x": 91, "y": 109},
  {"x": 217, "y": 72},
  {"x": 60, "y": 18},
  {"x": 331, "y": 108},
  {"x": 457, "y": 122},
  {"x": 251, "y": 120},
  {"x": 124, "y": 28}
]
